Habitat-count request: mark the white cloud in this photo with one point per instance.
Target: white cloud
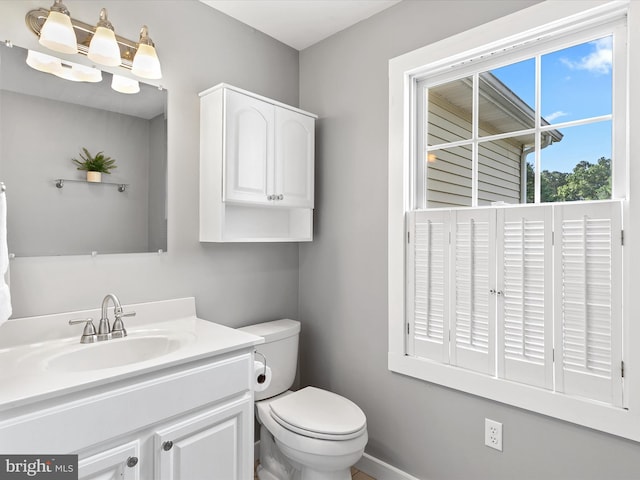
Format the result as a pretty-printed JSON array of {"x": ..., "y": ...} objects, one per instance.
[
  {"x": 598, "y": 61},
  {"x": 552, "y": 116}
]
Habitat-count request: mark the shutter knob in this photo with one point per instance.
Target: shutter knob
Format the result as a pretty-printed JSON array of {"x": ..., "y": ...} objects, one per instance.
[{"x": 168, "y": 445}]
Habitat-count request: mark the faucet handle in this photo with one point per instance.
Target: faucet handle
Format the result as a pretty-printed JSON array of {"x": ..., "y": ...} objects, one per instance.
[
  {"x": 118, "y": 330},
  {"x": 89, "y": 332}
]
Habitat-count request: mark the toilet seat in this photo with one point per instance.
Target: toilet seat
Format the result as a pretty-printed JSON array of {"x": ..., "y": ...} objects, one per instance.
[{"x": 317, "y": 413}]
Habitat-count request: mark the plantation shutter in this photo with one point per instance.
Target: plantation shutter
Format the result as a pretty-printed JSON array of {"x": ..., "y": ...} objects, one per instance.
[
  {"x": 588, "y": 311},
  {"x": 525, "y": 295},
  {"x": 472, "y": 306},
  {"x": 427, "y": 267}
]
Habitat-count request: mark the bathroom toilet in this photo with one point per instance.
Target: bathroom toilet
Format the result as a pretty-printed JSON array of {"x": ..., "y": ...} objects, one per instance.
[{"x": 310, "y": 434}]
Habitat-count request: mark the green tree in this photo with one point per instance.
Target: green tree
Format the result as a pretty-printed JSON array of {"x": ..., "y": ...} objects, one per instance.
[
  {"x": 588, "y": 181},
  {"x": 549, "y": 184}
]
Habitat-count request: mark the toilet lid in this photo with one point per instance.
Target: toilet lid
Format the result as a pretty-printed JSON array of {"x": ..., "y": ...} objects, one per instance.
[{"x": 320, "y": 414}]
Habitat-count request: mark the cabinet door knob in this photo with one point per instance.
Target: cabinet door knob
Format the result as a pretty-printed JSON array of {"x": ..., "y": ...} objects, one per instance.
[
  {"x": 280, "y": 197},
  {"x": 270, "y": 197},
  {"x": 168, "y": 445},
  {"x": 132, "y": 462}
]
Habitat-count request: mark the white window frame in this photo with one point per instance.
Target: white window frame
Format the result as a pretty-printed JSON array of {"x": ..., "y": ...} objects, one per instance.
[{"x": 534, "y": 24}]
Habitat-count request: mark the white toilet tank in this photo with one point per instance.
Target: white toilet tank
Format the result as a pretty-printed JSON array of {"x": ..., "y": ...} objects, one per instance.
[{"x": 281, "y": 351}]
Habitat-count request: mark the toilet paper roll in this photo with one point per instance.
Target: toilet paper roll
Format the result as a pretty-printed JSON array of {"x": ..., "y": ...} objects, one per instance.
[{"x": 261, "y": 376}]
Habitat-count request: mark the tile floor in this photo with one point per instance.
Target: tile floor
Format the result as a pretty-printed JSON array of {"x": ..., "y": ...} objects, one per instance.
[
  {"x": 359, "y": 475},
  {"x": 355, "y": 474}
]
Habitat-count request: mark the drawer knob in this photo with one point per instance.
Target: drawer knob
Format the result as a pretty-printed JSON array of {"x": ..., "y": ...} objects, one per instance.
[
  {"x": 168, "y": 445},
  {"x": 132, "y": 462}
]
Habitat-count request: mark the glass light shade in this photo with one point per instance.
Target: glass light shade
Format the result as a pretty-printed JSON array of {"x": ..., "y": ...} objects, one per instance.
[
  {"x": 57, "y": 33},
  {"x": 104, "y": 49},
  {"x": 86, "y": 74},
  {"x": 124, "y": 84},
  {"x": 67, "y": 73},
  {"x": 146, "y": 63},
  {"x": 43, "y": 62}
]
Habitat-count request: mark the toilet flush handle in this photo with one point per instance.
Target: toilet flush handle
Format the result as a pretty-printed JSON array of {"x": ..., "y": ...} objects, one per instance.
[{"x": 263, "y": 376}]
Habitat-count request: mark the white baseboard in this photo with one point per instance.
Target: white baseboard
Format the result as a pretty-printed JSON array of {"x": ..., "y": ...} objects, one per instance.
[
  {"x": 380, "y": 470},
  {"x": 368, "y": 464}
]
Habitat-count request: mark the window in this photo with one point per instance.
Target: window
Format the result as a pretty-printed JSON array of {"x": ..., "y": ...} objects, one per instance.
[
  {"x": 509, "y": 186},
  {"x": 490, "y": 291},
  {"x": 523, "y": 131}
]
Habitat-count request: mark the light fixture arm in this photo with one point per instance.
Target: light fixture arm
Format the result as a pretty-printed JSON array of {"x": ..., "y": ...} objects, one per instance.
[
  {"x": 60, "y": 7},
  {"x": 104, "y": 21},
  {"x": 144, "y": 37}
]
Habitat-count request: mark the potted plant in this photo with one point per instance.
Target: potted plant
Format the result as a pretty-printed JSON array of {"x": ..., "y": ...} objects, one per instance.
[{"x": 95, "y": 166}]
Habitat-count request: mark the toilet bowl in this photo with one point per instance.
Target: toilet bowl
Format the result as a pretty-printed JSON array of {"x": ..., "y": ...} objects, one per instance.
[{"x": 310, "y": 434}]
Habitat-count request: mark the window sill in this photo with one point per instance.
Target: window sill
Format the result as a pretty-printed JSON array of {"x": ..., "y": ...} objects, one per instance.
[{"x": 588, "y": 413}]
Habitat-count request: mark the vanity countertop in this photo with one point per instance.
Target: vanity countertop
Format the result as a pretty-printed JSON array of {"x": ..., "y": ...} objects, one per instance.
[{"x": 42, "y": 357}]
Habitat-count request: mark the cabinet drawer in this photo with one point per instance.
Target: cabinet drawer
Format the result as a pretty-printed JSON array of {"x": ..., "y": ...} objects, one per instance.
[{"x": 72, "y": 426}]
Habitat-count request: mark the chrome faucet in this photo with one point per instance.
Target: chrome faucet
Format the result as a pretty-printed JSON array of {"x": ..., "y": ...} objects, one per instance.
[{"x": 105, "y": 331}]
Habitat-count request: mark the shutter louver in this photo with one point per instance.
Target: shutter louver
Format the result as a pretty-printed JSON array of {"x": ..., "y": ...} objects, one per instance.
[
  {"x": 525, "y": 308},
  {"x": 428, "y": 264},
  {"x": 588, "y": 306},
  {"x": 473, "y": 276}
]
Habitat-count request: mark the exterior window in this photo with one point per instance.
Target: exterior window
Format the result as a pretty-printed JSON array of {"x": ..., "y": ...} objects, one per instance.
[
  {"x": 533, "y": 131},
  {"x": 514, "y": 141},
  {"x": 509, "y": 185}
]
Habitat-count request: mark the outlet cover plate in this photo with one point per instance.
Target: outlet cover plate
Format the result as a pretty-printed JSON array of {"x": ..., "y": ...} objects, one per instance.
[{"x": 493, "y": 434}]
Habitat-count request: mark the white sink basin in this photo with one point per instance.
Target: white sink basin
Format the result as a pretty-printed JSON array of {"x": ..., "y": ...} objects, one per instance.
[
  {"x": 42, "y": 357},
  {"x": 116, "y": 352}
]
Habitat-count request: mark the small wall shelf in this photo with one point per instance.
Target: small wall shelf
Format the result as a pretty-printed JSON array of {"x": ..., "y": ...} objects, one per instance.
[{"x": 61, "y": 181}]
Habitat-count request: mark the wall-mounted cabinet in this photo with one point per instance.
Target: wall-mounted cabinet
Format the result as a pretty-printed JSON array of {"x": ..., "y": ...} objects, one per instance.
[{"x": 256, "y": 168}]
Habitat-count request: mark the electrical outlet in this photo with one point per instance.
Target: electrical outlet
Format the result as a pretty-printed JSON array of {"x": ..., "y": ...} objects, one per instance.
[{"x": 493, "y": 434}]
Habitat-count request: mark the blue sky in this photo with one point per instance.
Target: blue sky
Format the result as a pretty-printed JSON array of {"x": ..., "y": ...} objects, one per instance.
[{"x": 575, "y": 84}]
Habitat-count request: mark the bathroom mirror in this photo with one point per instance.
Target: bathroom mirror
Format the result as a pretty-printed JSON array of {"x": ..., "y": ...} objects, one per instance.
[{"x": 45, "y": 122}]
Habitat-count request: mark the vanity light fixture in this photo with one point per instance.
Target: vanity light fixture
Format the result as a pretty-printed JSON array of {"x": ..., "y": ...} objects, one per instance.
[
  {"x": 62, "y": 68},
  {"x": 125, "y": 84},
  {"x": 97, "y": 42},
  {"x": 103, "y": 48},
  {"x": 57, "y": 32},
  {"x": 43, "y": 62},
  {"x": 146, "y": 63},
  {"x": 81, "y": 73}
]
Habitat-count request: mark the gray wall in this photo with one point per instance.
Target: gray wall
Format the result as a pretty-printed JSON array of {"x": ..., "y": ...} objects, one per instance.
[
  {"x": 157, "y": 221},
  {"x": 233, "y": 284},
  {"x": 426, "y": 430},
  {"x": 79, "y": 218}
]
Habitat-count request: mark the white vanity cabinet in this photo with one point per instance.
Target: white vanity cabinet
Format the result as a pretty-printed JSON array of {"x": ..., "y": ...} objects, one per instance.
[
  {"x": 210, "y": 445},
  {"x": 120, "y": 463},
  {"x": 193, "y": 421},
  {"x": 256, "y": 168}
]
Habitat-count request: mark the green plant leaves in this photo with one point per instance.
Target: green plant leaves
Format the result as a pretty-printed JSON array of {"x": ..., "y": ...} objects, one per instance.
[{"x": 98, "y": 163}]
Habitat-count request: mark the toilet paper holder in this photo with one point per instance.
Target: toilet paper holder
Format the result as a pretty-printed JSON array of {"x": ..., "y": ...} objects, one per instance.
[{"x": 263, "y": 376}]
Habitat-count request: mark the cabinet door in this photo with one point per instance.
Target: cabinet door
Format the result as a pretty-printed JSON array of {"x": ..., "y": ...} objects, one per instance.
[
  {"x": 120, "y": 463},
  {"x": 249, "y": 157},
  {"x": 294, "y": 158},
  {"x": 215, "y": 445}
]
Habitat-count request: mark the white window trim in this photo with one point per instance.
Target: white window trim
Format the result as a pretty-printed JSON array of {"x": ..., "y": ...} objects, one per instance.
[{"x": 529, "y": 24}]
